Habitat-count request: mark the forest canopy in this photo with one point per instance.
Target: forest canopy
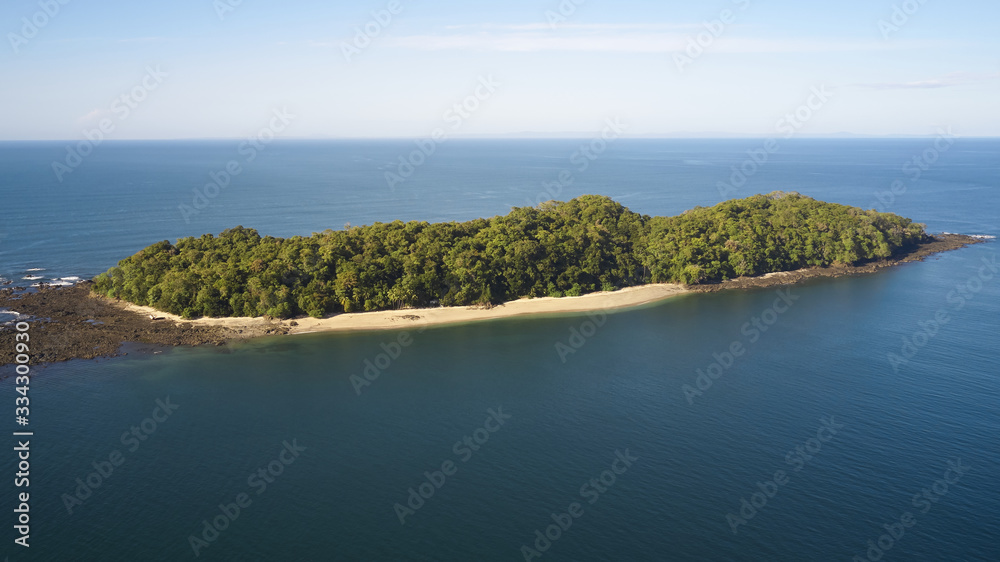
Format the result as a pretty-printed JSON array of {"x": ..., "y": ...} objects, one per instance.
[{"x": 588, "y": 244}]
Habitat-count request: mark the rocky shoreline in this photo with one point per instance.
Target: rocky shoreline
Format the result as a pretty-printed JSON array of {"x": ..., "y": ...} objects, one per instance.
[
  {"x": 940, "y": 243},
  {"x": 74, "y": 323}
]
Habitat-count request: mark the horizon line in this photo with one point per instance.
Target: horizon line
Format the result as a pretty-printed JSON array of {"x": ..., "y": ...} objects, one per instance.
[{"x": 538, "y": 136}]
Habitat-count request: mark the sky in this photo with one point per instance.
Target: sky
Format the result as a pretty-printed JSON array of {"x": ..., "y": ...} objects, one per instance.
[{"x": 192, "y": 69}]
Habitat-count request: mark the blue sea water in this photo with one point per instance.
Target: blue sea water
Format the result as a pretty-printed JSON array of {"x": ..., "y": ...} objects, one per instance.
[{"x": 699, "y": 465}]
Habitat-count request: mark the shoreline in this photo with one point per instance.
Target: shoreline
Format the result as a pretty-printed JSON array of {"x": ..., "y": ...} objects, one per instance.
[
  {"x": 74, "y": 323},
  {"x": 627, "y": 297}
]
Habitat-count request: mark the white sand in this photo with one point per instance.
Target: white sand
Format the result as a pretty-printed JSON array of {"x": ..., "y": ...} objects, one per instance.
[{"x": 393, "y": 319}]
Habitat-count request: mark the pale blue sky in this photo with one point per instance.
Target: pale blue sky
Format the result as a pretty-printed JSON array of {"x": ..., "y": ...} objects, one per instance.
[{"x": 225, "y": 76}]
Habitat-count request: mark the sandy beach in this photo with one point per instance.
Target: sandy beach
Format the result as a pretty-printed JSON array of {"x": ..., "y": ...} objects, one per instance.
[{"x": 392, "y": 319}]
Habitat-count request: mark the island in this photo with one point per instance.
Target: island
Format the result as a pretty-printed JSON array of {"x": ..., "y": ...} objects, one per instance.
[{"x": 589, "y": 253}]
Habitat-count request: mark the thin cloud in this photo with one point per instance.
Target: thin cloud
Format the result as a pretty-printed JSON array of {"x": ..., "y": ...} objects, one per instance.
[
  {"x": 146, "y": 39},
  {"x": 616, "y": 38},
  {"x": 91, "y": 115},
  {"x": 531, "y": 42},
  {"x": 947, "y": 81},
  {"x": 578, "y": 26},
  {"x": 624, "y": 37},
  {"x": 905, "y": 85},
  {"x": 602, "y": 40}
]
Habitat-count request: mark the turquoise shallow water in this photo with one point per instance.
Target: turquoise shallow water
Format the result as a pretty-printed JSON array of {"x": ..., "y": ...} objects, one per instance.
[{"x": 825, "y": 355}]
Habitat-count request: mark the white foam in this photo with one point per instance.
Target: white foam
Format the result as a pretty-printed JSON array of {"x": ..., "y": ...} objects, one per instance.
[
  {"x": 976, "y": 236},
  {"x": 36, "y": 269},
  {"x": 32, "y": 277},
  {"x": 69, "y": 278}
]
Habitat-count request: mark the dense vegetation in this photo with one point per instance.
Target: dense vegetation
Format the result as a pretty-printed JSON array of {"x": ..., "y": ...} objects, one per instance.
[{"x": 590, "y": 243}]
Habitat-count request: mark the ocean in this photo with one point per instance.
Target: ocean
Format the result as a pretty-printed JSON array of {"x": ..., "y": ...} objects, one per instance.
[{"x": 850, "y": 418}]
